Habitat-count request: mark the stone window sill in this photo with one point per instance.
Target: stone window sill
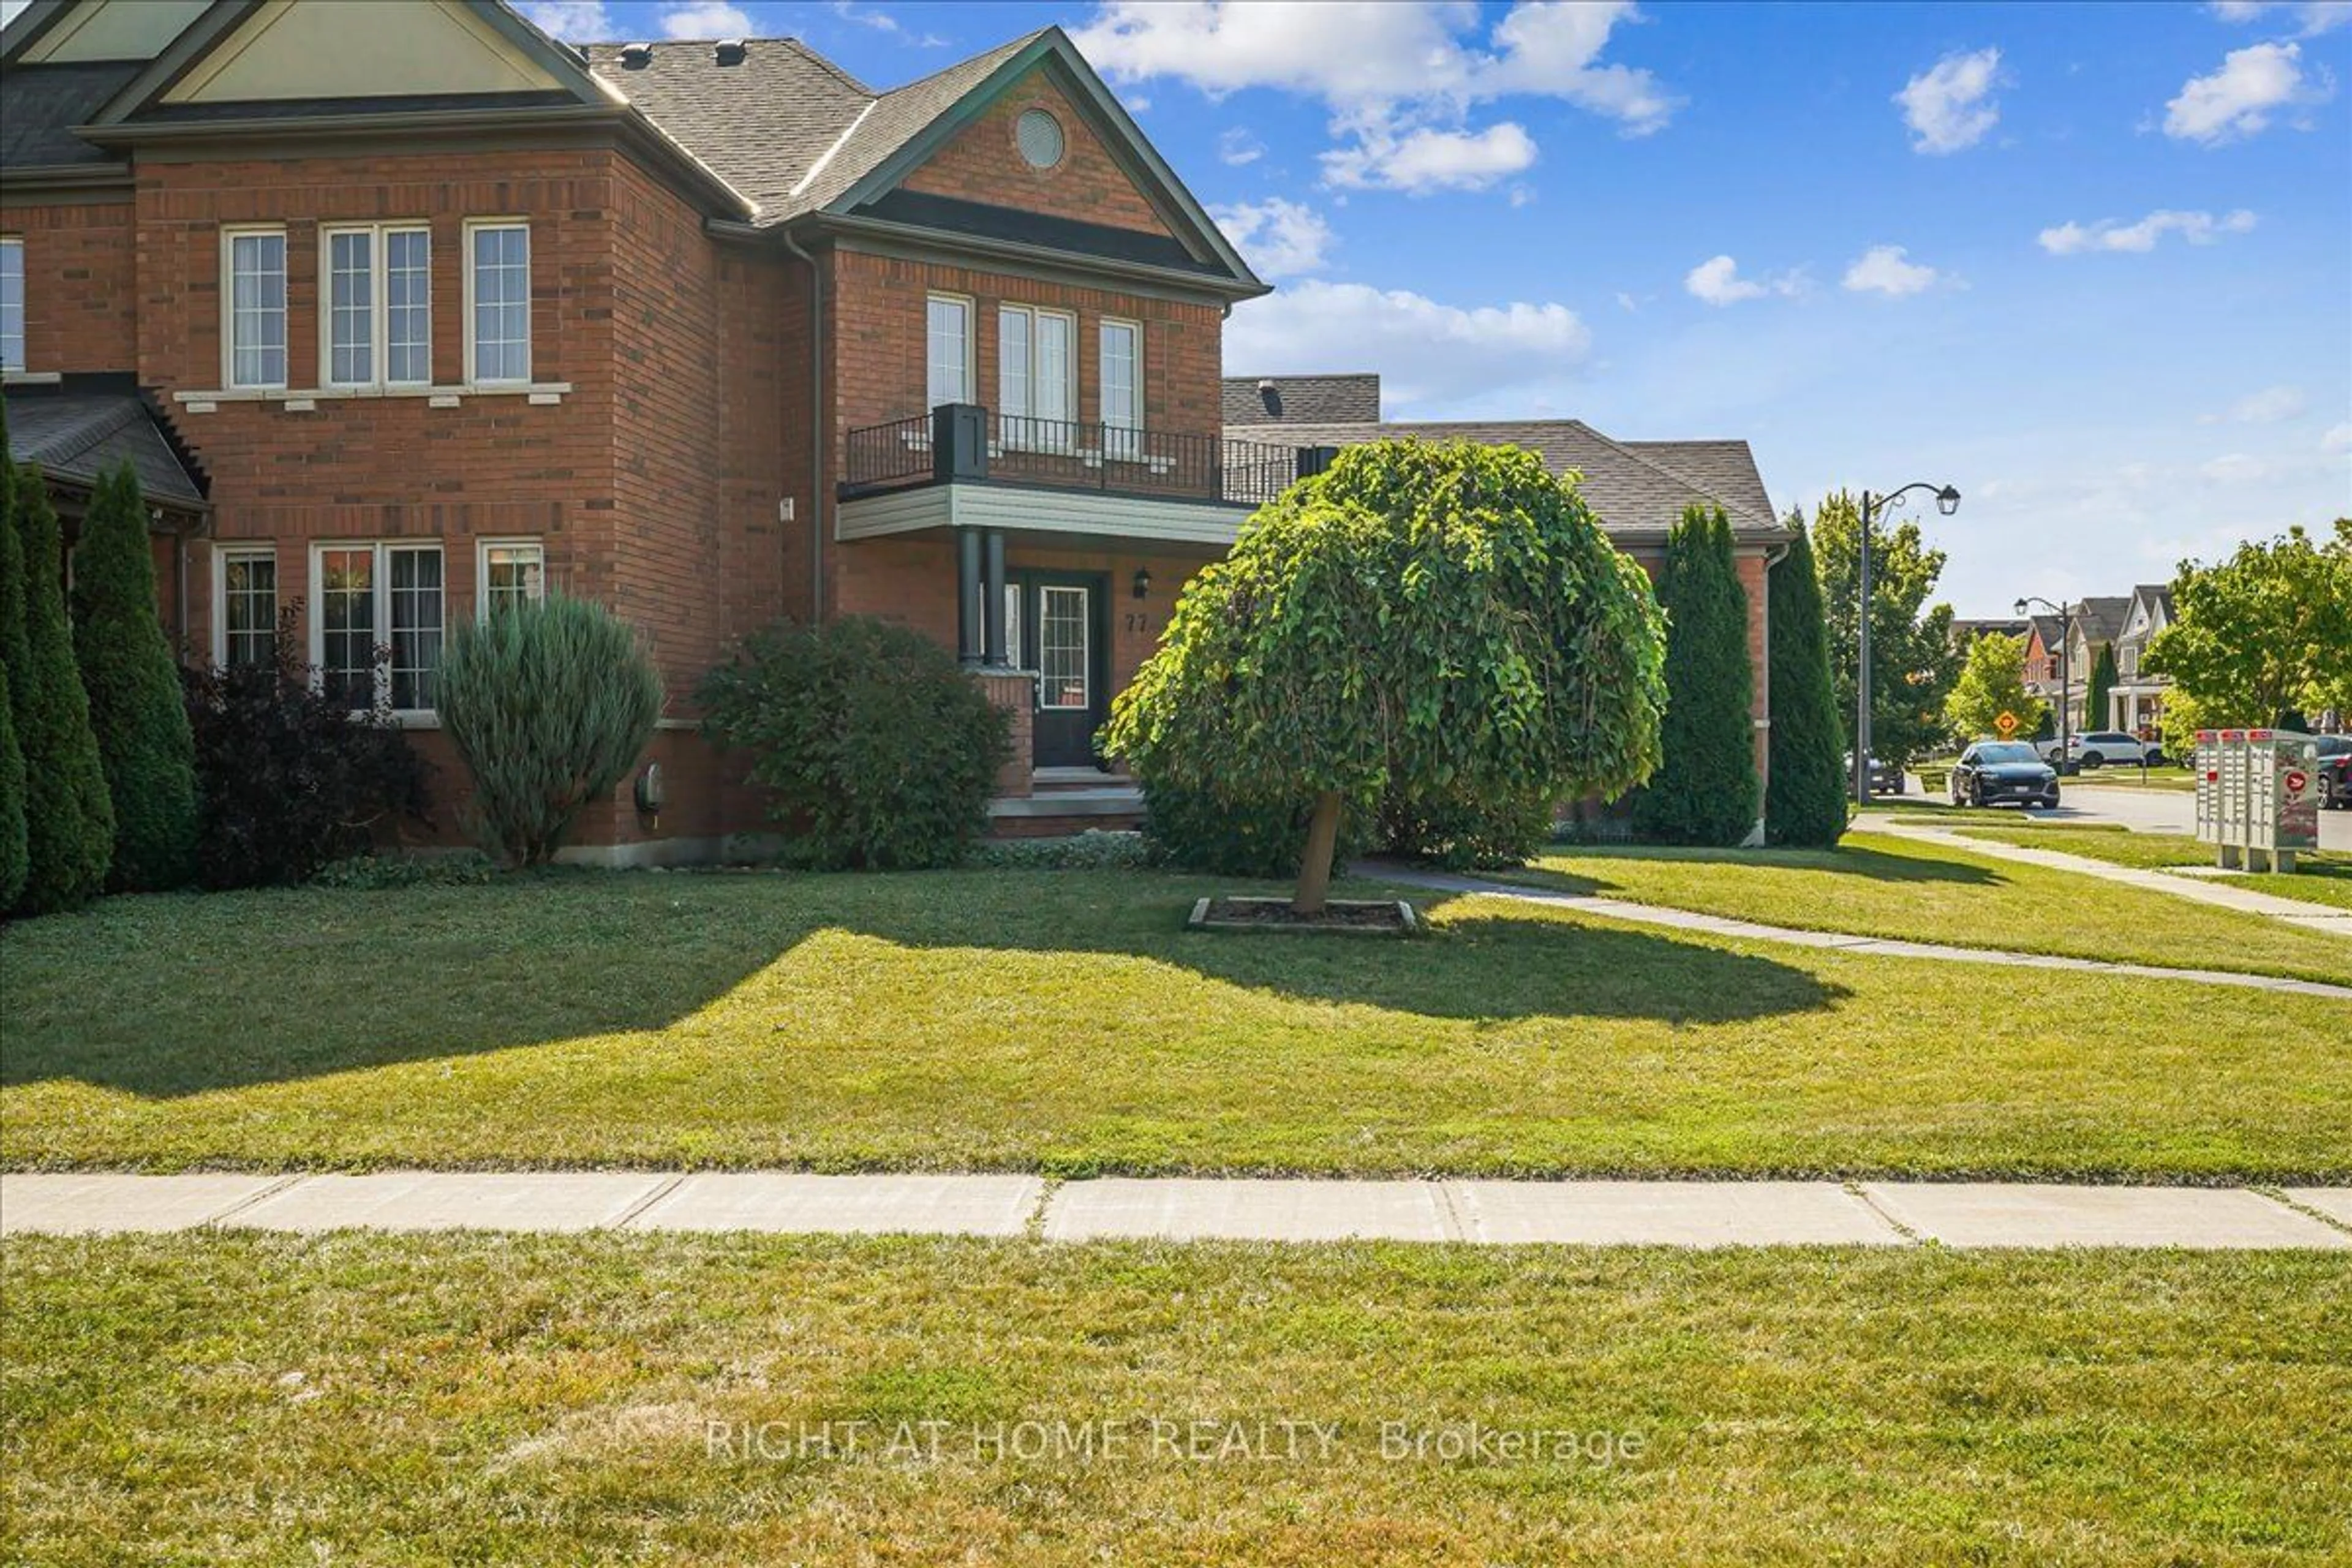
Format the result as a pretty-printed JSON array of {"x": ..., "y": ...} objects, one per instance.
[
  {"x": 30, "y": 378},
  {"x": 305, "y": 400}
]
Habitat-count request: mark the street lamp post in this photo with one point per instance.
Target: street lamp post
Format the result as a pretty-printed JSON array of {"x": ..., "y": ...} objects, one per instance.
[
  {"x": 2065, "y": 667},
  {"x": 1947, "y": 501}
]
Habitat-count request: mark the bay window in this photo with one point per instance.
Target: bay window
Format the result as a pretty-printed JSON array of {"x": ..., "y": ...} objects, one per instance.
[
  {"x": 509, "y": 572},
  {"x": 372, "y": 598},
  {"x": 245, "y": 608}
]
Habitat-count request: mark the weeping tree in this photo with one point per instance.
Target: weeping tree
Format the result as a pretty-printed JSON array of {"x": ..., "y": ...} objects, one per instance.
[
  {"x": 136, "y": 706},
  {"x": 549, "y": 704},
  {"x": 1445, "y": 622},
  {"x": 1804, "y": 790}
]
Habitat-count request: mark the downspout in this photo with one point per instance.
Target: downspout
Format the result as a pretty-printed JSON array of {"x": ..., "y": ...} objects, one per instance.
[{"x": 816, "y": 429}]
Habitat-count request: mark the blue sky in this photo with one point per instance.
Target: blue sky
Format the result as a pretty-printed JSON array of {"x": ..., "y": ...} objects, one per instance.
[{"x": 2091, "y": 263}]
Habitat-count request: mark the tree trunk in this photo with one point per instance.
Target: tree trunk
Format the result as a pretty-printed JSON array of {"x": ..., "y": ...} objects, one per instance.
[{"x": 1322, "y": 840}]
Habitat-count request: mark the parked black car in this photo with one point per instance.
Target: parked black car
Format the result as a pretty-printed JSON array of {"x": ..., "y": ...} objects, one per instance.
[
  {"x": 2336, "y": 771},
  {"x": 1993, "y": 770},
  {"x": 1885, "y": 777}
]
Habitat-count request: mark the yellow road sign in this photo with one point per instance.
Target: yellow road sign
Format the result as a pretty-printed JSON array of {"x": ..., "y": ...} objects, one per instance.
[{"x": 2006, "y": 724}]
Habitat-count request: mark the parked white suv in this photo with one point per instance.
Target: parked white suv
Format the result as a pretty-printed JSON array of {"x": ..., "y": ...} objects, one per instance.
[{"x": 2100, "y": 747}]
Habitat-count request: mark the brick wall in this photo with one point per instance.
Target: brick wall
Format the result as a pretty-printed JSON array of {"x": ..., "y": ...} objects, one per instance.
[
  {"x": 982, "y": 162},
  {"x": 81, "y": 283}
]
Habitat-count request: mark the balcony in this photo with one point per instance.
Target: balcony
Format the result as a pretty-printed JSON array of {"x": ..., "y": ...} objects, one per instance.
[{"x": 964, "y": 443}]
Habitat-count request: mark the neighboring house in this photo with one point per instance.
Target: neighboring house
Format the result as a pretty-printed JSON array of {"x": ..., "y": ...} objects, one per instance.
[
  {"x": 1637, "y": 489},
  {"x": 2136, "y": 703},
  {"x": 2045, "y": 667},
  {"x": 2091, "y": 624},
  {"x": 405, "y": 310},
  {"x": 1965, "y": 632}
]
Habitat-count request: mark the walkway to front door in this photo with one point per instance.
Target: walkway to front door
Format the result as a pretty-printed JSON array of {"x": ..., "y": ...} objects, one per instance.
[{"x": 1054, "y": 625}]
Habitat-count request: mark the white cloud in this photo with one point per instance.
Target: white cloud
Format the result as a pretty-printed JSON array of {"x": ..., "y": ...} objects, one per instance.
[
  {"x": 1426, "y": 160},
  {"x": 2338, "y": 438},
  {"x": 1950, "y": 105},
  {"x": 2240, "y": 98},
  {"x": 2198, "y": 228},
  {"x": 706, "y": 19},
  {"x": 2313, "y": 17},
  {"x": 2268, "y": 407},
  {"x": 883, "y": 22},
  {"x": 1882, "y": 269},
  {"x": 573, "y": 21},
  {"x": 1428, "y": 354},
  {"x": 1281, "y": 238},
  {"x": 1239, "y": 146},
  {"x": 1717, "y": 281},
  {"x": 1399, "y": 80}
]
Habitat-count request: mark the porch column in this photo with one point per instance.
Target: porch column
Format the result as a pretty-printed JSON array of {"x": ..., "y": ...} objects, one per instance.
[
  {"x": 991, "y": 603},
  {"x": 970, "y": 646}
]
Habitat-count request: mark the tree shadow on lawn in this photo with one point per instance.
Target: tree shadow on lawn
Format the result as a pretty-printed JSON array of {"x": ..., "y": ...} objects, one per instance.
[
  {"x": 1847, "y": 860},
  {"x": 177, "y": 996}
]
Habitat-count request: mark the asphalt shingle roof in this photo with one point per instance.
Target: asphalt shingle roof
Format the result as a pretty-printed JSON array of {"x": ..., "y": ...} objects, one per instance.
[
  {"x": 78, "y": 435},
  {"x": 1349, "y": 399},
  {"x": 1633, "y": 486},
  {"x": 2101, "y": 620},
  {"x": 45, "y": 102},
  {"x": 764, "y": 125}
]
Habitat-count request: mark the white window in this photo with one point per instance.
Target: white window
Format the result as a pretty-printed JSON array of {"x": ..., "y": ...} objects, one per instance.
[
  {"x": 11, "y": 304},
  {"x": 509, "y": 571},
  {"x": 378, "y": 305},
  {"x": 1063, "y": 654},
  {"x": 948, "y": 349},
  {"x": 498, "y": 293},
  {"x": 1121, "y": 388},
  {"x": 375, "y": 598},
  {"x": 244, "y": 608},
  {"x": 1036, "y": 378},
  {"x": 256, "y": 307}
]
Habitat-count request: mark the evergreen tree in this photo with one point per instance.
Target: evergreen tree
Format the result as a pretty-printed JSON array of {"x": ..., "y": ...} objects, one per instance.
[
  {"x": 1705, "y": 791},
  {"x": 13, "y": 853},
  {"x": 68, "y": 820},
  {"x": 2096, "y": 707},
  {"x": 1805, "y": 798},
  {"x": 136, "y": 706}
]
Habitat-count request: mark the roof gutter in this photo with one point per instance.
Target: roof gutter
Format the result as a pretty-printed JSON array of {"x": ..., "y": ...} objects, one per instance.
[{"x": 1227, "y": 288}]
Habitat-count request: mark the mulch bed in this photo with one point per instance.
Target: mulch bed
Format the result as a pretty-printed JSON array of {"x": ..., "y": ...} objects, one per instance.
[{"x": 1361, "y": 917}]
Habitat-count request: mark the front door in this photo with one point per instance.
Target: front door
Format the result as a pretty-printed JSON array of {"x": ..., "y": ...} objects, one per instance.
[{"x": 1057, "y": 625}]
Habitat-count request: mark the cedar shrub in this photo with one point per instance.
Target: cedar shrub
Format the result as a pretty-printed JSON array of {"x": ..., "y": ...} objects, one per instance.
[
  {"x": 1804, "y": 793},
  {"x": 136, "y": 708},
  {"x": 12, "y": 851},
  {"x": 68, "y": 818},
  {"x": 1706, "y": 790}
]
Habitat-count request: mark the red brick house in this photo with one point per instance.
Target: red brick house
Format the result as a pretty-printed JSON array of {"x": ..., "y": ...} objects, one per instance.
[{"x": 404, "y": 307}]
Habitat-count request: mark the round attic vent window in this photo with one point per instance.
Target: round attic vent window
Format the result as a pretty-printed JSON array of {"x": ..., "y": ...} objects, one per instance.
[{"x": 1039, "y": 136}]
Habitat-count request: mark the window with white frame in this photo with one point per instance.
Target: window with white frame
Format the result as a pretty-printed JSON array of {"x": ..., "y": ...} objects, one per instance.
[
  {"x": 378, "y": 598},
  {"x": 498, "y": 289},
  {"x": 246, "y": 608},
  {"x": 1122, "y": 389},
  {"x": 11, "y": 304},
  {"x": 947, "y": 340},
  {"x": 511, "y": 571},
  {"x": 256, "y": 308},
  {"x": 378, "y": 305},
  {"x": 1036, "y": 377}
]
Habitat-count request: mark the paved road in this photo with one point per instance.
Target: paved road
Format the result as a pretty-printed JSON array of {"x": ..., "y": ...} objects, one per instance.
[{"x": 2160, "y": 811}]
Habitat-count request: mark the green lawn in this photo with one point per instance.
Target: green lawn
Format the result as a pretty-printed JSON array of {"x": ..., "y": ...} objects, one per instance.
[
  {"x": 539, "y": 1400},
  {"x": 1880, "y": 885},
  {"x": 1064, "y": 1022},
  {"x": 2321, "y": 878},
  {"x": 2129, "y": 778}
]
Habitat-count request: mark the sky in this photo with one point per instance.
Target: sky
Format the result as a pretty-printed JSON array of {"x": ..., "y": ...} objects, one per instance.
[{"x": 2090, "y": 263}]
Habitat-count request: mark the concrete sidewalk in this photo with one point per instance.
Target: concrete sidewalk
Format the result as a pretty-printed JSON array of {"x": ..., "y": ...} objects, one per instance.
[
  {"x": 1842, "y": 942},
  {"x": 1488, "y": 1213},
  {"x": 2202, "y": 889}
]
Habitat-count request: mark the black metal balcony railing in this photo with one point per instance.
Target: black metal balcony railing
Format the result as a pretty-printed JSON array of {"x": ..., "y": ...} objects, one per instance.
[{"x": 966, "y": 443}]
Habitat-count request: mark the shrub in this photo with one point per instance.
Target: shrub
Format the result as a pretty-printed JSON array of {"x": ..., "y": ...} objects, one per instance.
[
  {"x": 12, "y": 802},
  {"x": 1463, "y": 835},
  {"x": 1200, "y": 830},
  {"x": 136, "y": 708},
  {"x": 68, "y": 819},
  {"x": 378, "y": 873},
  {"x": 877, "y": 750},
  {"x": 549, "y": 704},
  {"x": 13, "y": 849},
  {"x": 289, "y": 780},
  {"x": 1705, "y": 791},
  {"x": 1096, "y": 849},
  {"x": 1804, "y": 795},
  {"x": 1435, "y": 621}
]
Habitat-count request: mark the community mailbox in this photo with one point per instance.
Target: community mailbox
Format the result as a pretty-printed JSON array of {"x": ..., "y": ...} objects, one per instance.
[{"x": 2257, "y": 797}]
